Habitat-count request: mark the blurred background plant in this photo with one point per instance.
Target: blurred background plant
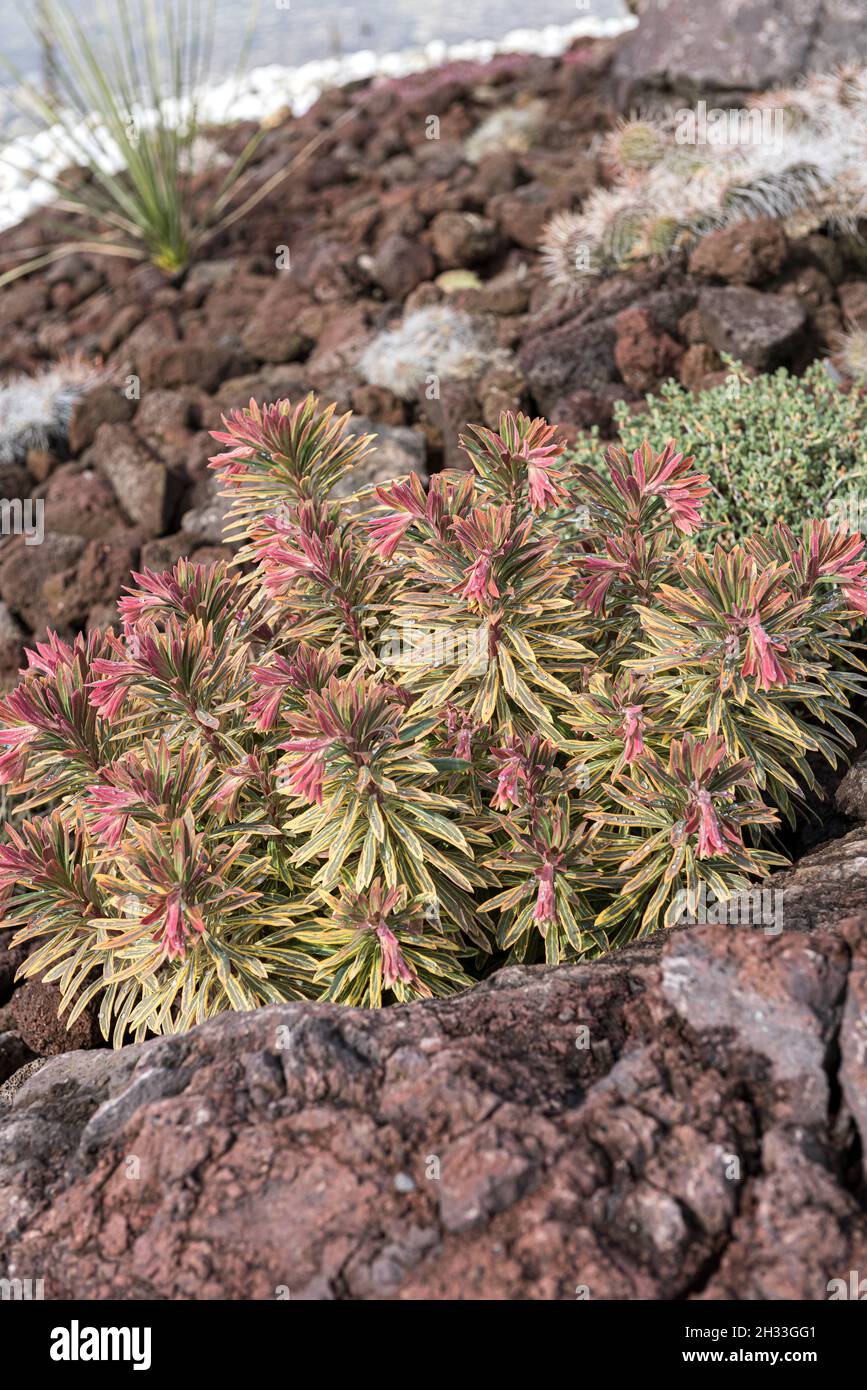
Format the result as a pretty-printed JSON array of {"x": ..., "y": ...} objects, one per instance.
[
  {"x": 794, "y": 154},
  {"x": 775, "y": 447},
  {"x": 851, "y": 353},
  {"x": 35, "y": 410},
  {"x": 439, "y": 341},
  {"x": 121, "y": 105}
]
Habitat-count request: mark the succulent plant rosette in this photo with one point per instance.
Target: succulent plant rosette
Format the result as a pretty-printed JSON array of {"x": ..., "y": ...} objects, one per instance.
[{"x": 411, "y": 737}]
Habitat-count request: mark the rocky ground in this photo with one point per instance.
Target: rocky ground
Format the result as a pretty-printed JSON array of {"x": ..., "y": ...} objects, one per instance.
[
  {"x": 735, "y": 45},
  {"x": 381, "y": 221},
  {"x": 685, "y": 1119}
]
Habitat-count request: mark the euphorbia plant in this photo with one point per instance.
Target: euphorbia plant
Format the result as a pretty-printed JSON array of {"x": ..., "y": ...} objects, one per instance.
[{"x": 417, "y": 736}]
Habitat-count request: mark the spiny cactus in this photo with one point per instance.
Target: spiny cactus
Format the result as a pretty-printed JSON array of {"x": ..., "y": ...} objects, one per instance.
[
  {"x": 35, "y": 410},
  {"x": 851, "y": 353},
  {"x": 512, "y": 128},
  {"x": 438, "y": 341},
  {"x": 796, "y": 155},
  {"x": 634, "y": 145}
]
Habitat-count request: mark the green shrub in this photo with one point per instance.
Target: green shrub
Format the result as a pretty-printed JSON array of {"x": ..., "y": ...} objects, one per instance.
[
  {"x": 775, "y": 447},
  {"x": 421, "y": 736}
]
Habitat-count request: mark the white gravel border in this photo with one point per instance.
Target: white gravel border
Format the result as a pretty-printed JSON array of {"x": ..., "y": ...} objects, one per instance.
[{"x": 264, "y": 91}]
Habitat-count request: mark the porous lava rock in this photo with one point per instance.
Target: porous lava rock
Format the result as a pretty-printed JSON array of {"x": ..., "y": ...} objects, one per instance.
[{"x": 681, "y": 1120}]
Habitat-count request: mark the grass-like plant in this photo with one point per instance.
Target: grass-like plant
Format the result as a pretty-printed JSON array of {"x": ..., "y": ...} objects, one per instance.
[
  {"x": 123, "y": 105},
  {"x": 123, "y": 110},
  {"x": 775, "y": 447},
  {"x": 420, "y": 736}
]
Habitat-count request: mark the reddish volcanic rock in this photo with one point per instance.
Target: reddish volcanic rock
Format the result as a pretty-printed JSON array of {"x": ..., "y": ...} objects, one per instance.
[
  {"x": 150, "y": 334},
  {"x": 462, "y": 238},
  {"x": 666, "y": 1123},
  {"x": 166, "y": 421},
  {"x": 103, "y": 406},
  {"x": 853, "y": 301},
  {"x": 734, "y": 46},
  {"x": 810, "y": 286},
  {"x": 400, "y": 264},
  {"x": 583, "y": 409},
  {"x": 759, "y": 329},
  {"x": 827, "y": 324},
  {"x": 283, "y": 328},
  {"x": 502, "y": 388},
  {"x": 188, "y": 364},
  {"x": 379, "y": 403},
  {"x": 746, "y": 253},
  {"x": 22, "y": 301},
  {"x": 14, "y": 1053},
  {"x": 11, "y": 957},
  {"x": 25, "y": 570},
  {"x": 577, "y": 356},
  {"x": 447, "y": 415},
  {"x": 523, "y": 214},
  {"x": 34, "y": 1014},
  {"x": 643, "y": 354},
  {"x": 696, "y": 364},
  {"x": 146, "y": 489},
  {"x": 11, "y": 659},
  {"x": 80, "y": 502}
]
